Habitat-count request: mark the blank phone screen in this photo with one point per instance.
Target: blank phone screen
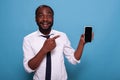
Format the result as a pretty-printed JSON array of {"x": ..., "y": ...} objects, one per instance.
[{"x": 88, "y": 34}]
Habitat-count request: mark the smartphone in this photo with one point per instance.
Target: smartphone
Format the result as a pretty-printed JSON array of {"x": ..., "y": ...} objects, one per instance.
[{"x": 88, "y": 34}]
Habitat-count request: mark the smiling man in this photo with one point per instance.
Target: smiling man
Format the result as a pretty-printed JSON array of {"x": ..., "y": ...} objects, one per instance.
[{"x": 44, "y": 49}]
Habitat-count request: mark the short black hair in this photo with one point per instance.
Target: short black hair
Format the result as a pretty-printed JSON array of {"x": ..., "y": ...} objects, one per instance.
[{"x": 43, "y": 6}]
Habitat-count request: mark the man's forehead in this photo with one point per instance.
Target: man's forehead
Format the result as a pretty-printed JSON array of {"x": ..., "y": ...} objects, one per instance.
[{"x": 42, "y": 9}]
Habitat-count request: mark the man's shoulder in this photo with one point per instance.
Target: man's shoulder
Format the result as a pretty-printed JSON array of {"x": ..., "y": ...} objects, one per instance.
[{"x": 32, "y": 34}]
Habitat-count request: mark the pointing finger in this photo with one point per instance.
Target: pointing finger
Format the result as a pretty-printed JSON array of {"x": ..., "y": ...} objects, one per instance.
[{"x": 55, "y": 37}]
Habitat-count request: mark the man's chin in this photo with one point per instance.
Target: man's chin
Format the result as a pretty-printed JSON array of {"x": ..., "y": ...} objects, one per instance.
[{"x": 45, "y": 29}]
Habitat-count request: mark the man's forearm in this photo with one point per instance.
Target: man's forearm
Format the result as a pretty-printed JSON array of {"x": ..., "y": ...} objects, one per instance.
[
  {"x": 34, "y": 63},
  {"x": 79, "y": 51}
]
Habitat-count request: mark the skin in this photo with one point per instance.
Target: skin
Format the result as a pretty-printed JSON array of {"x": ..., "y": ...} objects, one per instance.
[{"x": 44, "y": 20}]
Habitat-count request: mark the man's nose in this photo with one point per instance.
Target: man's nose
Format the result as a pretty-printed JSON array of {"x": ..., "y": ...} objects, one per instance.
[{"x": 45, "y": 18}]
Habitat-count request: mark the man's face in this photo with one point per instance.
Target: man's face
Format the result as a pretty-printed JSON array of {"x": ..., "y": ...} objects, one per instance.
[{"x": 44, "y": 19}]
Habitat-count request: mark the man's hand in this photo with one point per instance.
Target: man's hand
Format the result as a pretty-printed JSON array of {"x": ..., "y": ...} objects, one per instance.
[
  {"x": 50, "y": 44},
  {"x": 82, "y": 38}
]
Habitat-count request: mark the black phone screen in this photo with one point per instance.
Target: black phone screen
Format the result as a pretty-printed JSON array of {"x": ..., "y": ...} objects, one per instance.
[{"x": 88, "y": 34}]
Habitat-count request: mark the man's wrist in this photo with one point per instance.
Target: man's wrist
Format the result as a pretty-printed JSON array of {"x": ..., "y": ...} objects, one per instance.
[{"x": 44, "y": 51}]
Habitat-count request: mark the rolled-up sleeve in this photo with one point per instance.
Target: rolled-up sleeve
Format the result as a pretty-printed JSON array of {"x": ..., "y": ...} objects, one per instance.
[
  {"x": 69, "y": 52},
  {"x": 28, "y": 54}
]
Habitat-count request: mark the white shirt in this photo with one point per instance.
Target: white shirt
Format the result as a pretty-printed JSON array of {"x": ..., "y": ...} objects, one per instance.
[{"x": 33, "y": 43}]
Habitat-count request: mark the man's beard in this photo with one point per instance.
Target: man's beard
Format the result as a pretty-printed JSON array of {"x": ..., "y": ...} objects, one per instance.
[{"x": 45, "y": 30}]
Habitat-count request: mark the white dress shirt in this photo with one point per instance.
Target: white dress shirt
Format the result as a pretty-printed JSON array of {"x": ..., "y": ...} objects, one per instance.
[{"x": 33, "y": 43}]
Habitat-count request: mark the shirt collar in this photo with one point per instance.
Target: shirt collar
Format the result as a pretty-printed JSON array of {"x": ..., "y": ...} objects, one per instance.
[{"x": 41, "y": 34}]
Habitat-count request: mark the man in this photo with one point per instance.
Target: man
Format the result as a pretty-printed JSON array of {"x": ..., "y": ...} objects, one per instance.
[{"x": 36, "y": 47}]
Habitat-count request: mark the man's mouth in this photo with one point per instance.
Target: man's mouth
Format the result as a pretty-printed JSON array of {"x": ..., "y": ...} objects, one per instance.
[{"x": 45, "y": 24}]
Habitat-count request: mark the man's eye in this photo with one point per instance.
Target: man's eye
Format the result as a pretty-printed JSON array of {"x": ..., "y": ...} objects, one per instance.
[
  {"x": 40, "y": 15},
  {"x": 49, "y": 16}
]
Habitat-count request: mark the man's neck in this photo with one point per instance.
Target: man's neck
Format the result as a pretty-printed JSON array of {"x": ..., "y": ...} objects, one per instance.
[{"x": 45, "y": 32}]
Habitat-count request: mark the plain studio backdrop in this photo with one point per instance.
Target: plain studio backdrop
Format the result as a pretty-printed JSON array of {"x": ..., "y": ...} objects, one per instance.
[{"x": 100, "y": 59}]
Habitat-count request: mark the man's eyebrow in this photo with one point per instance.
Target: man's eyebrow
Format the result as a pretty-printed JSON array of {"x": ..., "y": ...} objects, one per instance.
[
  {"x": 49, "y": 12},
  {"x": 39, "y": 12}
]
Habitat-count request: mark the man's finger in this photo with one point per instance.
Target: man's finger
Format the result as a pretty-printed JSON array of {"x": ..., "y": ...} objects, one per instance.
[{"x": 55, "y": 37}]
